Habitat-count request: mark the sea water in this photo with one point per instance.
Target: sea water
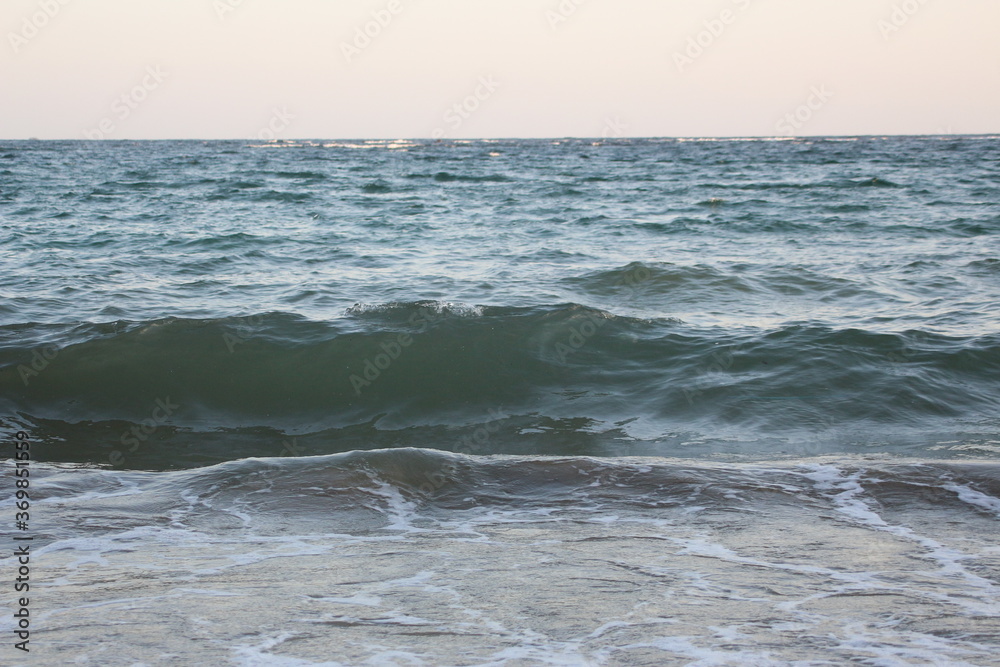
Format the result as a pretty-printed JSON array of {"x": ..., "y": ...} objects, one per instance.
[{"x": 510, "y": 402}]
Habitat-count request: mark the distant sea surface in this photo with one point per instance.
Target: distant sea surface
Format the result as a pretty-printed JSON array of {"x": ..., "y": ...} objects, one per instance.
[{"x": 512, "y": 402}]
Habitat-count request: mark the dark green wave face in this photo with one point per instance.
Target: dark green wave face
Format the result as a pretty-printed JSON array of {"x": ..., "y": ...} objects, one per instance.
[
  {"x": 179, "y": 304},
  {"x": 546, "y": 380}
]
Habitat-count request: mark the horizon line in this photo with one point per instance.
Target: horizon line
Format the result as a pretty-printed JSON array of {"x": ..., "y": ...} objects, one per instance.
[{"x": 515, "y": 138}]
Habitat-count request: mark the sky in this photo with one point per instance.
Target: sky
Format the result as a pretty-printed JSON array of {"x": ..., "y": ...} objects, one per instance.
[{"x": 292, "y": 69}]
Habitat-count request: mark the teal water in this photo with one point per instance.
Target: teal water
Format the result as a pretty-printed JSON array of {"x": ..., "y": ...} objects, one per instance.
[
  {"x": 337, "y": 402},
  {"x": 650, "y": 297}
]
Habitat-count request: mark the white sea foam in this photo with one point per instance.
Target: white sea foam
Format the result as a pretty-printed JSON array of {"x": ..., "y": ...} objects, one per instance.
[
  {"x": 975, "y": 498},
  {"x": 258, "y": 655},
  {"x": 948, "y": 559}
]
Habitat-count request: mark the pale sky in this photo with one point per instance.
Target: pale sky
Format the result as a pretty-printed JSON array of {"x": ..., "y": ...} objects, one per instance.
[{"x": 287, "y": 69}]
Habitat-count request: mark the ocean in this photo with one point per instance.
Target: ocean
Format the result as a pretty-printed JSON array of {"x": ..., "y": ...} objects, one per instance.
[{"x": 501, "y": 402}]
